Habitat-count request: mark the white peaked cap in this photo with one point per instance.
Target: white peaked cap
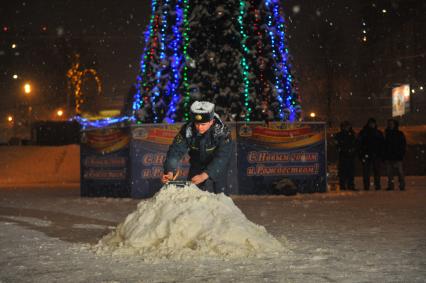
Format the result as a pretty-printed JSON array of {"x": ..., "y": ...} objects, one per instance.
[{"x": 202, "y": 107}]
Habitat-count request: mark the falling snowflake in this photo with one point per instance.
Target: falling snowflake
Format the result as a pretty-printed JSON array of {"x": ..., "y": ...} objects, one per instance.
[{"x": 296, "y": 9}]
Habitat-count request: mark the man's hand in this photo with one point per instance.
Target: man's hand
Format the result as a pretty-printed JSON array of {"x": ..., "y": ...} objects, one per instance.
[
  {"x": 198, "y": 179},
  {"x": 167, "y": 177}
]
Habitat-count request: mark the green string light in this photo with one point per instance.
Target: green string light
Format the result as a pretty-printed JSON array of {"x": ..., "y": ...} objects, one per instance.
[
  {"x": 243, "y": 62},
  {"x": 185, "y": 54}
]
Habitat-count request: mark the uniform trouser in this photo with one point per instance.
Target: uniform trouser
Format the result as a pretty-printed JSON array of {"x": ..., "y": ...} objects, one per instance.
[
  {"x": 391, "y": 165},
  {"x": 346, "y": 173},
  {"x": 209, "y": 185},
  {"x": 366, "y": 168}
]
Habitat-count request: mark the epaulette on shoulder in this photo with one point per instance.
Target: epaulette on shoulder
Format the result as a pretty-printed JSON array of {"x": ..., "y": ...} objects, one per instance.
[{"x": 220, "y": 130}]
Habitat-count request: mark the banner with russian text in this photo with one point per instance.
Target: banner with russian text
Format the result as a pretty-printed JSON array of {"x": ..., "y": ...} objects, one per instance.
[
  {"x": 104, "y": 160},
  {"x": 281, "y": 158}
]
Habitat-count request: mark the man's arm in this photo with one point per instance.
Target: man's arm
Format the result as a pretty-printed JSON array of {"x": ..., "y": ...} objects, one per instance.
[
  {"x": 222, "y": 155},
  {"x": 176, "y": 151}
]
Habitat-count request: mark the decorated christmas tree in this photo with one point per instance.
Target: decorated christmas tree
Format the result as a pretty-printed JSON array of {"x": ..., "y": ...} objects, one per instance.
[{"x": 232, "y": 53}]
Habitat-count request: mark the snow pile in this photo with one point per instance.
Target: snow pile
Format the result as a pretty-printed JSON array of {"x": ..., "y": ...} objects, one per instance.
[{"x": 187, "y": 222}]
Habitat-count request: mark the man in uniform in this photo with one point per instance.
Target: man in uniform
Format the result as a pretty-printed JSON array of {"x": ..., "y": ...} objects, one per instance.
[
  {"x": 395, "y": 147},
  {"x": 346, "y": 147},
  {"x": 371, "y": 144},
  {"x": 209, "y": 143}
]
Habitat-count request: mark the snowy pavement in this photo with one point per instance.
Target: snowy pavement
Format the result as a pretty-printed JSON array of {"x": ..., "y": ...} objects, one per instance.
[{"x": 45, "y": 232}]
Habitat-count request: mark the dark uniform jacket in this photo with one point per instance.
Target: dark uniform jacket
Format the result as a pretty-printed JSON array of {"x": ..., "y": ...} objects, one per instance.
[
  {"x": 371, "y": 143},
  {"x": 209, "y": 152},
  {"x": 395, "y": 144},
  {"x": 346, "y": 144}
]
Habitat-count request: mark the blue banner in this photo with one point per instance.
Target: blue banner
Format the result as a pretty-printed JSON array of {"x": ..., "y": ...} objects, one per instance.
[
  {"x": 104, "y": 163},
  {"x": 281, "y": 158},
  {"x": 277, "y": 158}
]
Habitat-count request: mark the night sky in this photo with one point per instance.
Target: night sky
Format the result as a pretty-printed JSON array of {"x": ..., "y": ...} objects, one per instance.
[
  {"x": 107, "y": 33},
  {"x": 324, "y": 37}
]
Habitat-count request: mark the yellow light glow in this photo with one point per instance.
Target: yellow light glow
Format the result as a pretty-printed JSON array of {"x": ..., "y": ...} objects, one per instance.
[
  {"x": 27, "y": 88},
  {"x": 13, "y": 46},
  {"x": 10, "y": 118},
  {"x": 312, "y": 115},
  {"x": 109, "y": 113},
  {"x": 60, "y": 112},
  {"x": 15, "y": 76}
]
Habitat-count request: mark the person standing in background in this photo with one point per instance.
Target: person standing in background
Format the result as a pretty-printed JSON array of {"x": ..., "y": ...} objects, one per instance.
[
  {"x": 395, "y": 145},
  {"x": 371, "y": 144}
]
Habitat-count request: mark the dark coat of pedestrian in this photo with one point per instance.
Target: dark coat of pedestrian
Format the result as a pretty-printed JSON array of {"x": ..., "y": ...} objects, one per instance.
[
  {"x": 371, "y": 149},
  {"x": 394, "y": 151},
  {"x": 346, "y": 147}
]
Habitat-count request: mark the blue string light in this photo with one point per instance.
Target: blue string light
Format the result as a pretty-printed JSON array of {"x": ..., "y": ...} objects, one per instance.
[
  {"x": 86, "y": 123},
  {"x": 283, "y": 78},
  {"x": 176, "y": 63},
  {"x": 277, "y": 82}
]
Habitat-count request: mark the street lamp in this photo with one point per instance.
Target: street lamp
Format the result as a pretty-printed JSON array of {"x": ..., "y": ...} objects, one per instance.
[
  {"x": 60, "y": 112},
  {"x": 312, "y": 115},
  {"x": 27, "y": 88},
  {"x": 11, "y": 124},
  {"x": 27, "y": 91}
]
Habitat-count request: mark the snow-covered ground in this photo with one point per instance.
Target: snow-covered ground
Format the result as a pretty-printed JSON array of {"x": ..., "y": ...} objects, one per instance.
[
  {"x": 39, "y": 164},
  {"x": 333, "y": 237}
]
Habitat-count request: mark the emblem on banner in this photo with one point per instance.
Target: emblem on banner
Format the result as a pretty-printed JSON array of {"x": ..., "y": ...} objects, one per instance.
[
  {"x": 139, "y": 133},
  {"x": 245, "y": 131}
]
